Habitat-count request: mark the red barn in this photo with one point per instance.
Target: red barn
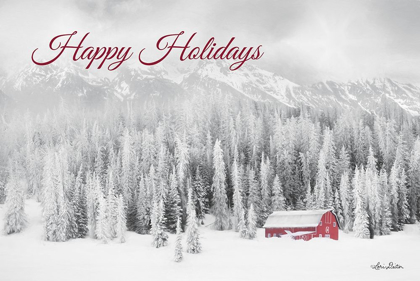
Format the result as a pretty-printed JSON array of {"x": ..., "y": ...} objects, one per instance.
[{"x": 302, "y": 224}]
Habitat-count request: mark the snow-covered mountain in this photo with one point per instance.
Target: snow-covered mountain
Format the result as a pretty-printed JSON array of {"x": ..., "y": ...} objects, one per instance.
[
  {"x": 369, "y": 95},
  {"x": 249, "y": 81},
  {"x": 162, "y": 83},
  {"x": 137, "y": 83}
]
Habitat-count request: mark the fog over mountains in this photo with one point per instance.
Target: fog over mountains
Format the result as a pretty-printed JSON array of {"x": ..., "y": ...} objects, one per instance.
[{"x": 47, "y": 85}]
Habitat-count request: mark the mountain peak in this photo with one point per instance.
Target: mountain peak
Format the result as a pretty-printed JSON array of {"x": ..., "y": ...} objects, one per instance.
[{"x": 206, "y": 78}]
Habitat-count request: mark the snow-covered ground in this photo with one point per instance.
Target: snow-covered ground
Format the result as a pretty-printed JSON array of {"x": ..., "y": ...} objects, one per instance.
[{"x": 26, "y": 256}]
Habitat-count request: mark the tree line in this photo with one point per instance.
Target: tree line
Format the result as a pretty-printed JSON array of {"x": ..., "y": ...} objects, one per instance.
[{"x": 159, "y": 169}]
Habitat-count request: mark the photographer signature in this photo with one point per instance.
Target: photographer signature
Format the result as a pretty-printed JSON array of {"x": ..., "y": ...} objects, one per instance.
[{"x": 390, "y": 265}]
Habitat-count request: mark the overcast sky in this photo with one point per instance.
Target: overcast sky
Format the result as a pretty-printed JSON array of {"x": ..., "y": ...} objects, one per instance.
[{"x": 303, "y": 40}]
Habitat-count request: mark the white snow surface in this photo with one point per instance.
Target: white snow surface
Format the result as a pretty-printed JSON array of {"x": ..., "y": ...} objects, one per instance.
[
  {"x": 27, "y": 257},
  {"x": 309, "y": 218}
]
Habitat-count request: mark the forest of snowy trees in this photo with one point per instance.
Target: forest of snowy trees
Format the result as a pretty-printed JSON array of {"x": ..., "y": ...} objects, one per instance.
[{"x": 159, "y": 169}]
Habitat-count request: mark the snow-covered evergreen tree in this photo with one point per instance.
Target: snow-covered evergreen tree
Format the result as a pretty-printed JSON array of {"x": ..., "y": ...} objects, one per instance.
[
  {"x": 111, "y": 209},
  {"x": 15, "y": 217},
  {"x": 102, "y": 223},
  {"x": 182, "y": 157},
  {"x": 338, "y": 209},
  {"x": 193, "y": 236},
  {"x": 71, "y": 200},
  {"x": 237, "y": 194},
  {"x": 143, "y": 212},
  {"x": 126, "y": 166},
  {"x": 413, "y": 181},
  {"x": 252, "y": 223},
  {"x": 254, "y": 197},
  {"x": 385, "y": 219},
  {"x": 178, "y": 244},
  {"x": 321, "y": 190},
  {"x": 243, "y": 230},
  {"x": 160, "y": 237},
  {"x": 394, "y": 182},
  {"x": 121, "y": 220},
  {"x": 361, "y": 223},
  {"x": 346, "y": 202},
  {"x": 309, "y": 198},
  {"x": 49, "y": 203},
  {"x": 402, "y": 204},
  {"x": 372, "y": 190},
  {"x": 54, "y": 202},
  {"x": 201, "y": 201},
  {"x": 220, "y": 207},
  {"x": 278, "y": 197},
  {"x": 81, "y": 212},
  {"x": 172, "y": 204},
  {"x": 265, "y": 188},
  {"x": 343, "y": 161}
]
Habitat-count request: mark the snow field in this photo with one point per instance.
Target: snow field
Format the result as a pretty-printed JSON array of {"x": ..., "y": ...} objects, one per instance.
[{"x": 27, "y": 257}]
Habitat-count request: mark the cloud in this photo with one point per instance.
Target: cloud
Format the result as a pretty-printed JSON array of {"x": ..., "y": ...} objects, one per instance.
[{"x": 303, "y": 40}]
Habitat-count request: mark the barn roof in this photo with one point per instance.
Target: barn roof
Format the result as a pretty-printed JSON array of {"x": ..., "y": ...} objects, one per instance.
[{"x": 310, "y": 218}]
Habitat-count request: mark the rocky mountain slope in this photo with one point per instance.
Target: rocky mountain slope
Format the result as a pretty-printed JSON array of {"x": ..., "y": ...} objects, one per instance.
[{"x": 50, "y": 84}]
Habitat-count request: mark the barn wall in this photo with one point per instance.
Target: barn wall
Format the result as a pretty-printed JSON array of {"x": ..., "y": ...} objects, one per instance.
[
  {"x": 282, "y": 231},
  {"x": 329, "y": 226}
]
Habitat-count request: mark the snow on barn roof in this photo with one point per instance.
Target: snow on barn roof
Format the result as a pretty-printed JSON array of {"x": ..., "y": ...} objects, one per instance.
[{"x": 310, "y": 218}]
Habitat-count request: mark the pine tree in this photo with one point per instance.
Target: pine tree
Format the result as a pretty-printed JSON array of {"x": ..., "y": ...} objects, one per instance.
[
  {"x": 71, "y": 200},
  {"x": 94, "y": 190},
  {"x": 252, "y": 223},
  {"x": 309, "y": 198},
  {"x": 201, "y": 198},
  {"x": 160, "y": 238},
  {"x": 143, "y": 213},
  {"x": 343, "y": 161},
  {"x": 182, "y": 157},
  {"x": 121, "y": 220},
  {"x": 49, "y": 203},
  {"x": 220, "y": 208},
  {"x": 265, "y": 189},
  {"x": 55, "y": 214},
  {"x": 172, "y": 204},
  {"x": 346, "y": 202},
  {"x": 15, "y": 216},
  {"x": 131, "y": 211},
  {"x": 329, "y": 193},
  {"x": 61, "y": 212},
  {"x": 402, "y": 204},
  {"x": 178, "y": 245},
  {"x": 338, "y": 209},
  {"x": 126, "y": 169},
  {"x": 237, "y": 196},
  {"x": 321, "y": 183},
  {"x": 394, "y": 186},
  {"x": 111, "y": 209},
  {"x": 386, "y": 219},
  {"x": 413, "y": 181},
  {"x": 372, "y": 190},
  {"x": 361, "y": 223},
  {"x": 102, "y": 223},
  {"x": 278, "y": 197},
  {"x": 100, "y": 165},
  {"x": 243, "y": 231},
  {"x": 254, "y": 197},
  {"x": 81, "y": 213},
  {"x": 193, "y": 236}
]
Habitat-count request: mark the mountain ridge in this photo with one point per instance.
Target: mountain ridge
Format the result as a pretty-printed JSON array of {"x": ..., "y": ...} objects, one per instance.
[{"x": 164, "y": 83}]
